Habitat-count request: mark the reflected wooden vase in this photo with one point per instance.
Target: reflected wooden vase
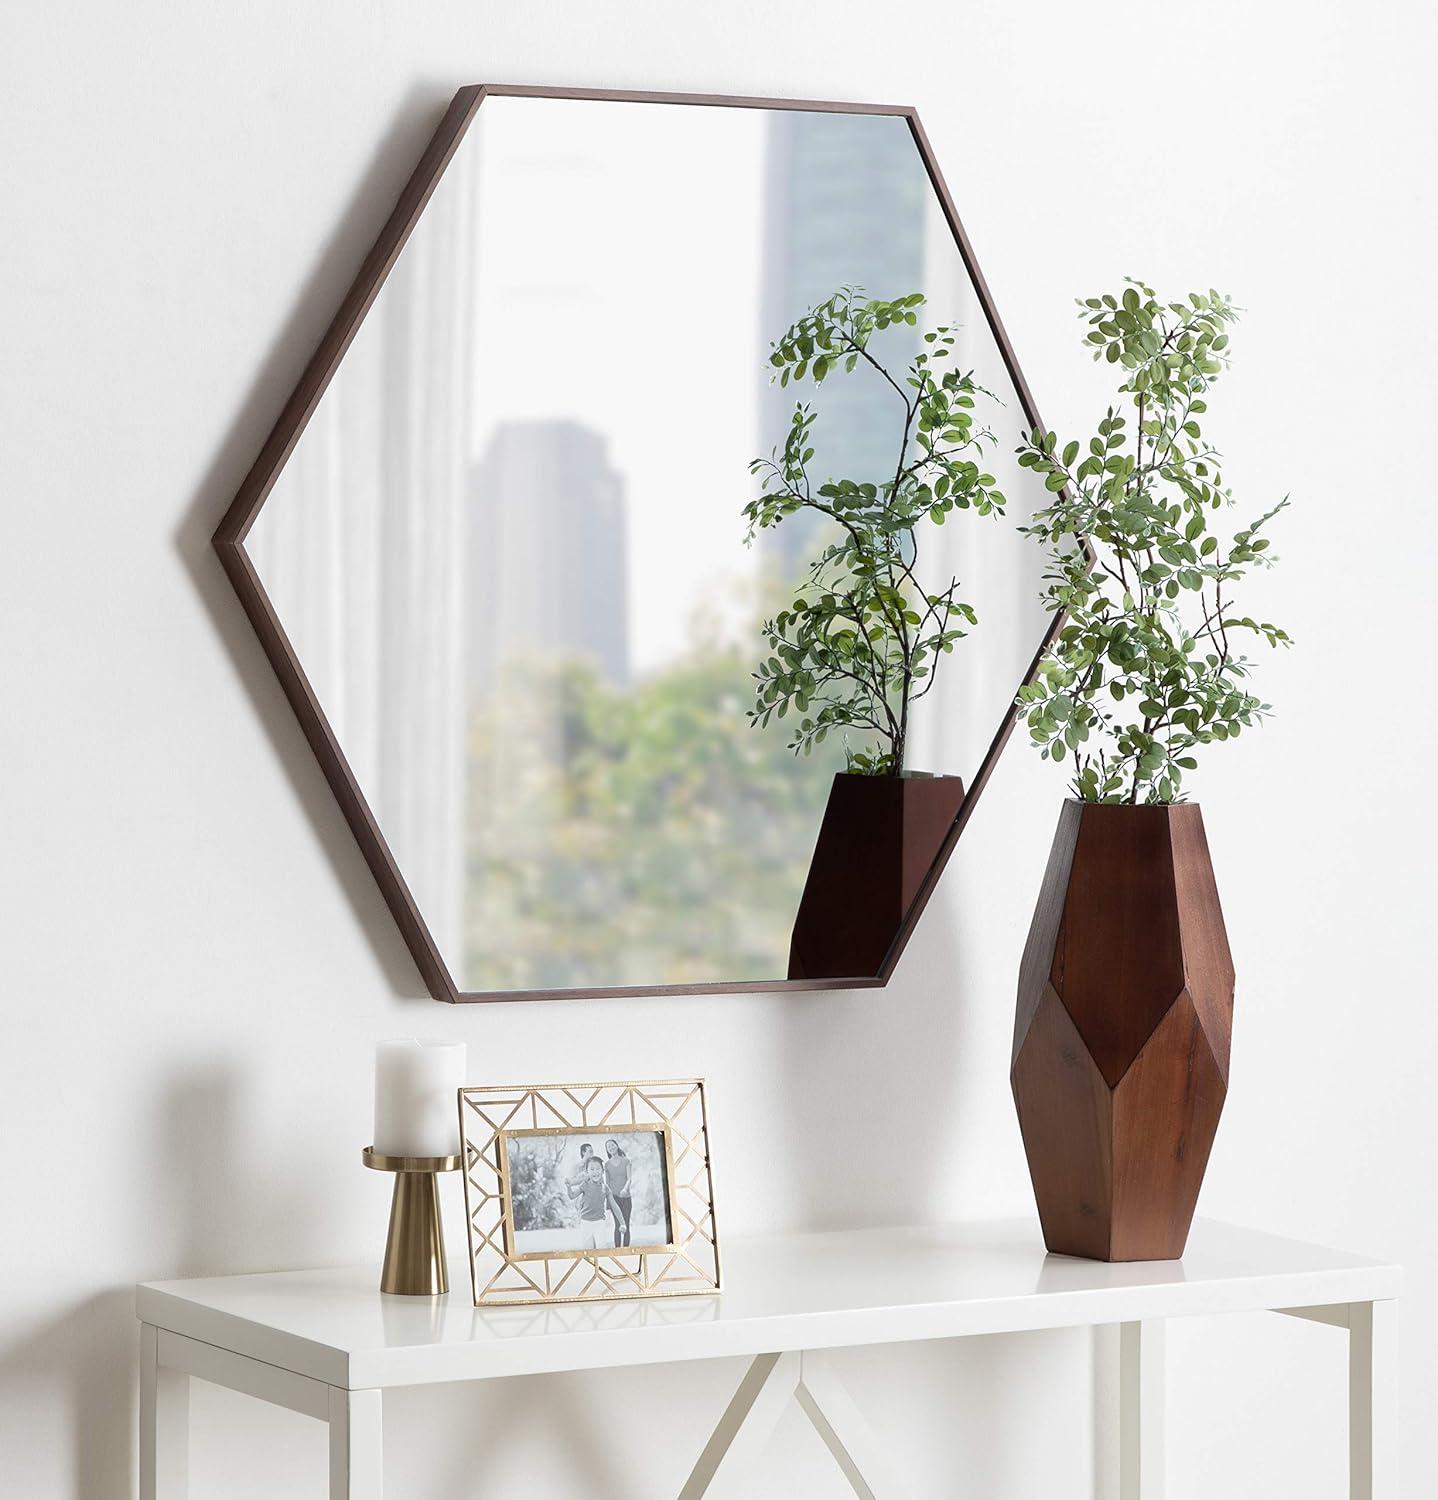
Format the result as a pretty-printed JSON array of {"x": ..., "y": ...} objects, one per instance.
[
  {"x": 877, "y": 843},
  {"x": 1121, "y": 1040}
]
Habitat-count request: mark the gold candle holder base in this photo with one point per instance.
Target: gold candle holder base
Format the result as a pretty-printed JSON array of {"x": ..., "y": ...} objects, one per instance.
[{"x": 414, "y": 1263}]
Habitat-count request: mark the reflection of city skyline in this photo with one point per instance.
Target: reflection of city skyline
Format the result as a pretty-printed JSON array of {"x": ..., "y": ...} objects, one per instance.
[
  {"x": 843, "y": 206},
  {"x": 547, "y": 538}
]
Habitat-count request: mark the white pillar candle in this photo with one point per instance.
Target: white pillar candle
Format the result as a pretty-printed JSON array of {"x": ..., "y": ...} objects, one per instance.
[{"x": 415, "y": 1111}]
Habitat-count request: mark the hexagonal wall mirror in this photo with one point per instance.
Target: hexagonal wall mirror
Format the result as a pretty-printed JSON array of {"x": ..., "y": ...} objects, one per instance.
[{"x": 496, "y": 548}]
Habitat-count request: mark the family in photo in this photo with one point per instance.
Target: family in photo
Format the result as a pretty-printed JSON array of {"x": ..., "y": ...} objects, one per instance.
[
  {"x": 601, "y": 1190},
  {"x": 578, "y": 1191}
]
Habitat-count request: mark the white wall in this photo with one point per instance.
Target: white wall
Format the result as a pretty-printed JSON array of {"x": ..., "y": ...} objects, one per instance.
[{"x": 196, "y": 962}]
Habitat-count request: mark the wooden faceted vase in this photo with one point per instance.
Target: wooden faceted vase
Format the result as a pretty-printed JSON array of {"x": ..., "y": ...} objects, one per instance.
[
  {"x": 878, "y": 841},
  {"x": 1121, "y": 1041}
]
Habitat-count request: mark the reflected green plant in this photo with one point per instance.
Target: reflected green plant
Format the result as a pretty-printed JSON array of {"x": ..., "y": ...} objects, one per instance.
[{"x": 862, "y": 639}]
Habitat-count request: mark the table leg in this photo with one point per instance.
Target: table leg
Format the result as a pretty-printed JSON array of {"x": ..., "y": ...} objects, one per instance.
[
  {"x": 748, "y": 1420},
  {"x": 1371, "y": 1336},
  {"x": 1140, "y": 1411},
  {"x": 164, "y": 1424},
  {"x": 356, "y": 1444},
  {"x": 728, "y": 1465},
  {"x": 845, "y": 1431}
]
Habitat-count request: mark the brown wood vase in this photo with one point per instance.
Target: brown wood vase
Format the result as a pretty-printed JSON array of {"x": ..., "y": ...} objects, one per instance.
[
  {"x": 876, "y": 849},
  {"x": 1123, "y": 1030}
]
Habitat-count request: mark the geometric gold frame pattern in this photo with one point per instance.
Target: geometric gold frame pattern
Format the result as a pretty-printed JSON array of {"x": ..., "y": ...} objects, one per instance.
[{"x": 677, "y": 1108}]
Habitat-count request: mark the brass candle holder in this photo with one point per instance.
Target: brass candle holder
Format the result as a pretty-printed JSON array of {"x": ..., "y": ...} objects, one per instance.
[{"x": 414, "y": 1262}]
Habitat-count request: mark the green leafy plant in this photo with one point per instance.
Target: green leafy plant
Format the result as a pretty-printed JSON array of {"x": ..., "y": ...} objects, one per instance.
[
  {"x": 859, "y": 644},
  {"x": 1145, "y": 668}
]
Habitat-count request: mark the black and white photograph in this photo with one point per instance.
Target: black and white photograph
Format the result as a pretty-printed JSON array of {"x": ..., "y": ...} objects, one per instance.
[{"x": 576, "y": 1191}]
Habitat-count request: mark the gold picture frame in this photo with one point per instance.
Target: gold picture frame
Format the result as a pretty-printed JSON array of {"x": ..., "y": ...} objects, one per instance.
[{"x": 494, "y": 1119}]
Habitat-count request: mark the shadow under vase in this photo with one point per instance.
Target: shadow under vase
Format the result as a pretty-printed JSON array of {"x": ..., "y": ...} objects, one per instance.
[{"x": 877, "y": 844}]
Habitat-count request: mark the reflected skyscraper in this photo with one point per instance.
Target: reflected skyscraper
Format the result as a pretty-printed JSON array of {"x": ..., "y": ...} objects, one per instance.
[
  {"x": 548, "y": 553},
  {"x": 845, "y": 204}
]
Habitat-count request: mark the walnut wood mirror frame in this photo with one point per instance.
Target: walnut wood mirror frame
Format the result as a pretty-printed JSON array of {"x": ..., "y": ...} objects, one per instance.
[{"x": 230, "y": 538}]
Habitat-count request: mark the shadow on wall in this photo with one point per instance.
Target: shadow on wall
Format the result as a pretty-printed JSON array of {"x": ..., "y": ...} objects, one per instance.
[
  {"x": 215, "y": 1209},
  {"x": 80, "y": 1368},
  {"x": 212, "y": 1213},
  {"x": 296, "y": 341},
  {"x": 557, "y": 1412},
  {"x": 872, "y": 1074},
  {"x": 868, "y": 1087}
]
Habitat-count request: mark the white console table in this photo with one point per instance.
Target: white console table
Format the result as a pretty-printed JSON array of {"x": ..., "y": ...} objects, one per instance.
[{"x": 328, "y": 1344}]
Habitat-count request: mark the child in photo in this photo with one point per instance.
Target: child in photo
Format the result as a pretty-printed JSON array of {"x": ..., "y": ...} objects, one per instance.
[{"x": 590, "y": 1192}]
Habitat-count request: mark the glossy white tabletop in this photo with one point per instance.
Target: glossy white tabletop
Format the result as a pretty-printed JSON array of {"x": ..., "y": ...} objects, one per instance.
[{"x": 783, "y": 1292}]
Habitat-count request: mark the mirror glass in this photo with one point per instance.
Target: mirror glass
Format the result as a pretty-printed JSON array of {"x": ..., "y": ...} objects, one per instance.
[{"x": 508, "y": 548}]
